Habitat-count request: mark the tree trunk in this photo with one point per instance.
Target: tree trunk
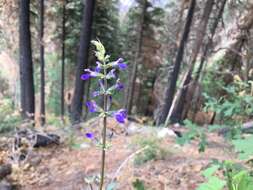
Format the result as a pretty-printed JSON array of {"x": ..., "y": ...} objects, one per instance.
[
  {"x": 177, "y": 112},
  {"x": 82, "y": 62},
  {"x": 42, "y": 65},
  {"x": 172, "y": 80},
  {"x": 210, "y": 39},
  {"x": 25, "y": 59},
  {"x": 63, "y": 58},
  {"x": 205, "y": 52},
  {"x": 131, "y": 84},
  {"x": 232, "y": 57}
]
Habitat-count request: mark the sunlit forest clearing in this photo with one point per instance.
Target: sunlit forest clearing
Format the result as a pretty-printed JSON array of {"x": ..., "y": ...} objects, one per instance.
[{"x": 126, "y": 95}]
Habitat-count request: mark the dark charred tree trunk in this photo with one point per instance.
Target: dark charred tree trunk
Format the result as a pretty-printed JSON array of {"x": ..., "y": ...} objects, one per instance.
[
  {"x": 210, "y": 39},
  {"x": 42, "y": 66},
  {"x": 177, "y": 112},
  {"x": 205, "y": 52},
  {"x": 82, "y": 62},
  {"x": 63, "y": 58},
  {"x": 25, "y": 59},
  {"x": 133, "y": 74},
  {"x": 172, "y": 80}
]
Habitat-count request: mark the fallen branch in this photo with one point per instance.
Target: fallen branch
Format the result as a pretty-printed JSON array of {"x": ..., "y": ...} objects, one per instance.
[{"x": 125, "y": 162}]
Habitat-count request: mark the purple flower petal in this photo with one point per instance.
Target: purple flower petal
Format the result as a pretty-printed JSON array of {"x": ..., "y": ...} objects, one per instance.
[
  {"x": 119, "y": 86},
  {"x": 91, "y": 73},
  {"x": 89, "y": 135},
  {"x": 92, "y": 106},
  {"x": 122, "y": 66},
  {"x": 120, "y": 116},
  {"x": 111, "y": 74},
  {"x": 120, "y": 60},
  {"x": 95, "y": 93},
  {"x": 123, "y": 112},
  {"x": 85, "y": 76},
  {"x": 98, "y": 67}
]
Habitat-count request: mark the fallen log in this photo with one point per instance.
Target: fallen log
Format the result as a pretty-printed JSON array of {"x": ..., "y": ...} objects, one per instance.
[
  {"x": 35, "y": 138},
  {"x": 246, "y": 128}
]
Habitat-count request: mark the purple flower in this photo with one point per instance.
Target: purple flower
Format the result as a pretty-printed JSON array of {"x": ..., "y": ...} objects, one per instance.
[
  {"x": 85, "y": 76},
  {"x": 92, "y": 106},
  {"x": 119, "y": 85},
  {"x": 111, "y": 74},
  {"x": 92, "y": 73},
  {"x": 120, "y": 64},
  {"x": 98, "y": 67},
  {"x": 120, "y": 116},
  {"x": 89, "y": 135},
  {"x": 95, "y": 93}
]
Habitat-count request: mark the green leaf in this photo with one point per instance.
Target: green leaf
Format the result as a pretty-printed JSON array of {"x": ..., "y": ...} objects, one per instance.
[
  {"x": 210, "y": 171},
  {"x": 243, "y": 181},
  {"x": 138, "y": 185},
  {"x": 214, "y": 183},
  {"x": 244, "y": 147}
]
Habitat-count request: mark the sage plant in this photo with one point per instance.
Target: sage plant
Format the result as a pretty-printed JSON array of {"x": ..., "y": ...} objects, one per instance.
[{"x": 103, "y": 73}]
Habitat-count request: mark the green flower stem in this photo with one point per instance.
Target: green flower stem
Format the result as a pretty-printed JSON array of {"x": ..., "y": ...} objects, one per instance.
[{"x": 103, "y": 136}]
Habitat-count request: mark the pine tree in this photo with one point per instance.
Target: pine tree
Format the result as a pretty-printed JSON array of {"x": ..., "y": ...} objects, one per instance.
[
  {"x": 141, "y": 46},
  {"x": 25, "y": 60},
  {"x": 85, "y": 38},
  {"x": 42, "y": 65},
  {"x": 172, "y": 80}
]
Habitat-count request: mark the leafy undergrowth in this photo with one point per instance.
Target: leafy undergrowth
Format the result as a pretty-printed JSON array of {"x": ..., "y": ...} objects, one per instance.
[{"x": 164, "y": 165}]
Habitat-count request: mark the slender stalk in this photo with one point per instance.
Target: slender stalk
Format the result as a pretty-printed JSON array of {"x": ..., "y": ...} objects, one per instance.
[
  {"x": 104, "y": 135},
  {"x": 63, "y": 59},
  {"x": 42, "y": 65}
]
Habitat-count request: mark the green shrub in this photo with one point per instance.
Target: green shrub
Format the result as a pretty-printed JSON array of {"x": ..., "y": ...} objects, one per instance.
[
  {"x": 138, "y": 185},
  {"x": 154, "y": 150},
  {"x": 9, "y": 118},
  {"x": 194, "y": 133},
  {"x": 234, "y": 177}
]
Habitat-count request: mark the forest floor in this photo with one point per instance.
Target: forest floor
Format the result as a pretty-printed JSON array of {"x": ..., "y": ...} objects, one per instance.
[{"x": 61, "y": 167}]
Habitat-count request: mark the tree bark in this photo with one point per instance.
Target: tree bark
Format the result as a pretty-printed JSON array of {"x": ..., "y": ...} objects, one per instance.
[
  {"x": 172, "y": 80},
  {"x": 63, "y": 58},
  {"x": 177, "y": 113},
  {"x": 25, "y": 60},
  {"x": 131, "y": 85},
  {"x": 83, "y": 53},
  {"x": 42, "y": 66},
  {"x": 205, "y": 52},
  {"x": 210, "y": 39},
  {"x": 232, "y": 57}
]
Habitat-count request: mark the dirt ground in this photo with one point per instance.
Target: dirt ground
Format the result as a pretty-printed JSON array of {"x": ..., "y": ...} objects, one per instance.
[{"x": 65, "y": 168}]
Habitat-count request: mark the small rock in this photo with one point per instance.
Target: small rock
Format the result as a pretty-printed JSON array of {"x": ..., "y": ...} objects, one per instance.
[
  {"x": 132, "y": 129},
  {"x": 5, "y": 170},
  {"x": 166, "y": 132},
  {"x": 4, "y": 185},
  {"x": 35, "y": 161},
  {"x": 84, "y": 145}
]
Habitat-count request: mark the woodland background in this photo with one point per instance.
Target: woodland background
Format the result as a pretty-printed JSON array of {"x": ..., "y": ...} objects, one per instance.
[
  {"x": 190, "y": 73},
  {"x": 152, "y": 36}
]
